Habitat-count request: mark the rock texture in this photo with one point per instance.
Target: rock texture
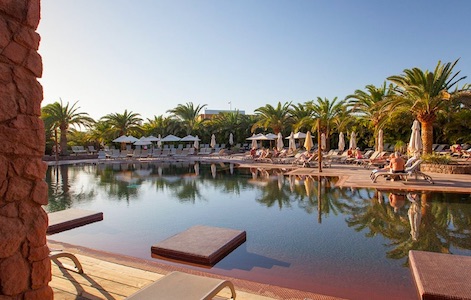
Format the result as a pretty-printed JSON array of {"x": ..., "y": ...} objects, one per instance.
[{"x": 25, "y": 268}]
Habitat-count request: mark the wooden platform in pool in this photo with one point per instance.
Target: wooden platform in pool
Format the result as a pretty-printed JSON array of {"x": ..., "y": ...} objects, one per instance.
[
  {"x": 70, "y": 218},
  {"x": 203, "y": 245},
  {"x": 441, "y": 276}
]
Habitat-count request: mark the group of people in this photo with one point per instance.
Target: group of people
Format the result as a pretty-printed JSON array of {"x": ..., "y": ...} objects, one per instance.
[
  {"x": 355, "y": 153},
  {"x": 266, "y": 153}
]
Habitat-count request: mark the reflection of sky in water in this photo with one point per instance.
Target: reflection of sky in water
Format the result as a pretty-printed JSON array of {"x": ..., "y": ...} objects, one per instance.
[{"x": 342, "y": 252}]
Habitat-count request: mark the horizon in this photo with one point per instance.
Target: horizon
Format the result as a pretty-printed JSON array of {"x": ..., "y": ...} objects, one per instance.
[{"x": 152, "y": 56}]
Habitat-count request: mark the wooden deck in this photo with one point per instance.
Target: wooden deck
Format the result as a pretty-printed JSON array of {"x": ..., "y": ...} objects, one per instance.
[
  {"x": 354, "y": 176},
  {"x": 111, "y": 276},
  {"x": 101, "y": 280}
]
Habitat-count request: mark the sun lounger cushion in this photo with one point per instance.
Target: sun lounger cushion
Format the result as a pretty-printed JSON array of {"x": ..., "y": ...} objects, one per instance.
[{"x": 183, "y": 286}]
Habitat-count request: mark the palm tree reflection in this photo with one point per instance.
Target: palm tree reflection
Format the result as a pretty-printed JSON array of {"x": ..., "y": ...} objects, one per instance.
[{"x": 424, "y": 222}]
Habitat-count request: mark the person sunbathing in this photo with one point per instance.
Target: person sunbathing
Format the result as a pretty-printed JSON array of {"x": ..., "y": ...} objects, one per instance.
[
  {"x": 397, "y": 163},
  {"x": 358, "y": 154}
]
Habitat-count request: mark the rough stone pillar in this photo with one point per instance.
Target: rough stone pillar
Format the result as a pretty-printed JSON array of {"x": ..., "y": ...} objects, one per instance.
[{"x": 25, "y": 268}]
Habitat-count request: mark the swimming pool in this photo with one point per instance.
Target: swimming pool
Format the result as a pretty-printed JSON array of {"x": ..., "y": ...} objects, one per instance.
[{"x": 352, "y": 244}]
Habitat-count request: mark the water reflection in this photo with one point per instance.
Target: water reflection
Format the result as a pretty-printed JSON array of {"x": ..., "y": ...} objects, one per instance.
[
  {"x": 243, "y": 259},
  {"x": 431, "y": 222},
  {"x": 407, "y": 221}
]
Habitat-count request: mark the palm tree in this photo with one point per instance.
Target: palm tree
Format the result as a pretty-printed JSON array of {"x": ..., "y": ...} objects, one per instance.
[
  {"x": 229, "y": 122},
  {"x": 368, "y": 104},
  {"x": 276, "y": 118},
  {"x": 61, "y": 117},
  {"x": 123, "y": 124},
  {"x": 101, "y": 132},
  {"x": 300, "y": 114},
  {"x": 424, "y": 94},
  {"x": 188, "y": 115},
  {"x": 327, "y": 112},
  {"x": 160, "y": 125}
]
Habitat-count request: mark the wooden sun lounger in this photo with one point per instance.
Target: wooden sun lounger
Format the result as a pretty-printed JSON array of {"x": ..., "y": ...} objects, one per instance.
[{"x": 183, "y": 286}]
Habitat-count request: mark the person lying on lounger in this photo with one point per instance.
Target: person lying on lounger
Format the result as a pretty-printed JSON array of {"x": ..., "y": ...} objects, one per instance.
[{"x": 386, "y": 168}]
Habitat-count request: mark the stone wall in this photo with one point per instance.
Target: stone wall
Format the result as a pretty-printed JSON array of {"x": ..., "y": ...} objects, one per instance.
[
  {"x": 446, "y": 169},
  {"x": 25, "y": 268}
]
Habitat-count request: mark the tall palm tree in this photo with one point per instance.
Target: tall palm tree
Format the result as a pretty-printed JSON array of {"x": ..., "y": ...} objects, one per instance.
[
  {"x": 101, "y": 132},
  {"x": 160, "y": 125},
  {"x": 276, "y": 118},
  {"x": 368, "y": 105},
  {"x": 300, "y": 113},
  {"x": 226, "y": 123},
  {"x": 327, "y": 112},
  {"x": 424, "y": 94},
  {"x": 123, "y": 124},
  {"x": 188, "y": 115},
  {"x": 60, "y": 117}
]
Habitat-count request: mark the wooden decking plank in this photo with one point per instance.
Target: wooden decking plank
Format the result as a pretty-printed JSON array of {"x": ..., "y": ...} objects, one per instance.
[
  {"x": 81, "y": 290},
  {"x": 123, "y": 278},
  {"x": 113, "y": 268},
  {"x": 63, "y": 295},
  {"x": 92, "y": 284}
]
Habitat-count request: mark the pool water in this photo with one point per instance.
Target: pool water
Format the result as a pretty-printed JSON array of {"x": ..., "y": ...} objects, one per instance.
[{"x": 302, "y": 232}]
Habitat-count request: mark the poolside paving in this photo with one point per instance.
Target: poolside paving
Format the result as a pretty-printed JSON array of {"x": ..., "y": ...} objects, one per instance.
[{"x": 113, "y": 276}]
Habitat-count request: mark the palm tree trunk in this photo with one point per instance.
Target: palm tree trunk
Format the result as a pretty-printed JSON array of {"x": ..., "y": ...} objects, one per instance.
[
  {"x": 56, "y": 145},
  {"x": 427, "y": 136},
  {"x": 63, "y": 140}
]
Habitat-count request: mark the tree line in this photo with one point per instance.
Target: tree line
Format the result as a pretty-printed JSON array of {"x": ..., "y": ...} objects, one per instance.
[{"x": 435, "y": 98}]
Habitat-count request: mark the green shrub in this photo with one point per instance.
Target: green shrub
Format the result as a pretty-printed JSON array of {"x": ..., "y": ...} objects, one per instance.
[
  {"x": 436, "y": 159},
  {"x": 400, "y": 147}
]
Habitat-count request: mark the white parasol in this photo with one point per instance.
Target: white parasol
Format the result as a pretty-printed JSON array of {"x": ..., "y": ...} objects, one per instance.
[
  {"x": 299, "y": 135},
  {"x": 279, "y": 142},
  {"x": 121, "y": 139},
  {"x": 142, "y": 142},
  {"x": 415, "y": 143},
  {"x": 196, "y": 144},
  {"x": 254, "y": 141},
  {"x": 231, "y": 139},
  {"x": 213, "y": 141},
  {"x": 171, "y": 138},
  {"x": 353, "y": 141},
  {"x": 152, "y": 138},
  {"x": 188, "y": 138},
  {"x": 271, "y": 136},
  {"x": 292, "y": 142},
  {"x": 341, "y": 142}
]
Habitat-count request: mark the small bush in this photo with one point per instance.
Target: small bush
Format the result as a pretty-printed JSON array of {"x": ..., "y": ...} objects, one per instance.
[{"x": 437, "y": 159}]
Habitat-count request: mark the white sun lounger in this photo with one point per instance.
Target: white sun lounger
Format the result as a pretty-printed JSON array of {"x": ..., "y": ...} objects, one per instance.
[
  {"x": 183, "y": 286},
  {"x": 413, "y": 170}
]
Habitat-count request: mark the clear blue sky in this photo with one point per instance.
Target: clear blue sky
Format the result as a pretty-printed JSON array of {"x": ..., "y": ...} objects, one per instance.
[{"x": 148, "y": 56}]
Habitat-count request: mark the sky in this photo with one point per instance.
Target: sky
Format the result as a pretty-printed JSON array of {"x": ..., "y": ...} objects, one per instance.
[{"x": 148, "y": 56}]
